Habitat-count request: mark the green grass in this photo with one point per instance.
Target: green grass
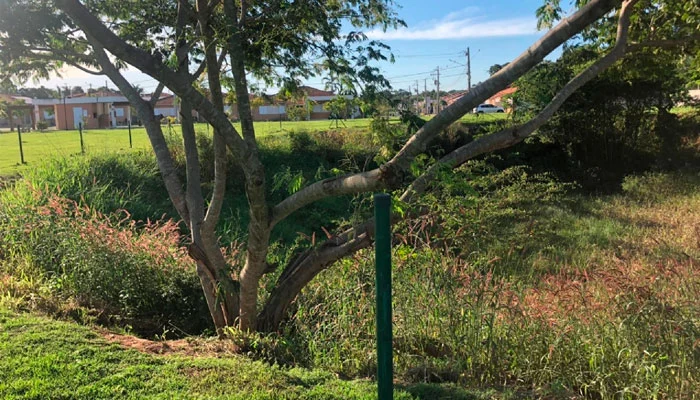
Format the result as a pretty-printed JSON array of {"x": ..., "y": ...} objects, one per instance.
[
  {"x": 42, "y": 358},
  {"x": 38, "y": 146}
]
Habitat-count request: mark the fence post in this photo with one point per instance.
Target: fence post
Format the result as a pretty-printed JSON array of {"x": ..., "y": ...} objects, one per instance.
[
  {"x": 131, "y": 144},
  {"x": 82, "y": 145},
  {"x": 21, "y": 150},
  {"x": 385, "y": 370}
]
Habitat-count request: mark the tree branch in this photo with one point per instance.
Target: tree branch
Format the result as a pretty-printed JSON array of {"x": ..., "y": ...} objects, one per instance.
[
  {"x": 154, "y": 67},
  {"x": 305, "y": 267},
  {"x": 166, "y": 165},
  {"x": 510, "y": 136},
  {"x": 156, "y": 95},
  {"x": 391, "y": 174}
]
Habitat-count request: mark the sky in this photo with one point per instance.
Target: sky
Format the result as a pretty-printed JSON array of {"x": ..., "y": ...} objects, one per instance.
[{"x": 438, "y": 34}]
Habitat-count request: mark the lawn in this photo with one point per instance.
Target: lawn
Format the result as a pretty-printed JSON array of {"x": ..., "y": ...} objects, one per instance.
[
  {"x": 42, "y": 358},
  {"x": 38, "y": 146}
]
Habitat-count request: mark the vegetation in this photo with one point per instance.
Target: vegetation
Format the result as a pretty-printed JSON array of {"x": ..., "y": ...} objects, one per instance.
[
  {"x": 563, "y": 306},
  {"x": 174, "y": 36},
  {"x": 537, "y": 255},
  {"x": 42, "y": 358}
]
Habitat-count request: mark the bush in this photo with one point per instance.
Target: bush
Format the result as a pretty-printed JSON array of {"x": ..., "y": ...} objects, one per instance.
[
  {"x": 301, "y": 142},
  {"x": 131, "y": 273}
]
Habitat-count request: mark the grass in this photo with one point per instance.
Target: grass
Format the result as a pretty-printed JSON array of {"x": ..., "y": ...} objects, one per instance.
[
  {"x": 521, "y": 291},
  {"x": 38, "y": 146},
  {"x": 586, "y": 296},
  {"x": 42, "y": 358}
]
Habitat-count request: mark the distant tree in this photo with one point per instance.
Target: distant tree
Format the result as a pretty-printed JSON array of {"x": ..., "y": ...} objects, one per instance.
[
  {"x": 77, "y": 90},
  {"x": 39, "y": 93},
  {"x": 496, "y": 67},
  {"x": 339, "y": 107}
]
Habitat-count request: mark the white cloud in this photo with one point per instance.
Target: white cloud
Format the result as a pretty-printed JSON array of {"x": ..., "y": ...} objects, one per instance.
[{"x": 466, "y": 23}]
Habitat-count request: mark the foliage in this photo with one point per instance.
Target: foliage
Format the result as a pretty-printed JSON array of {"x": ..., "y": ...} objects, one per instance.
[
  {"x": 525, "y": 289},
  {"x": 130, "y": 273},
  {"x": 43, "y": 358},
  {"x": 614, "y": 124}
]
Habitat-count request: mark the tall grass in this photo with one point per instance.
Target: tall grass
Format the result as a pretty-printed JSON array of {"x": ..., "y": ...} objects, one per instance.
[
  {"x": 124, "y": 272},
  {"x": 557, "y": 295}
]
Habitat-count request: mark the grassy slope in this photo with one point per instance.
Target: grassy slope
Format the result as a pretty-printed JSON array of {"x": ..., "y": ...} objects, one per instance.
[{"x": 42, "y": 358}]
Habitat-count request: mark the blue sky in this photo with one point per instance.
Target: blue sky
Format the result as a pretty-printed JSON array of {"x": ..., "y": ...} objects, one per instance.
[{"x": 437, "y": 35}]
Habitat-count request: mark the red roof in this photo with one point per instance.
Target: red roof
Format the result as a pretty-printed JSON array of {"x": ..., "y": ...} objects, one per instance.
[
  {"x": 313, "y": 92},
  {"x": 506, "y": 91}
]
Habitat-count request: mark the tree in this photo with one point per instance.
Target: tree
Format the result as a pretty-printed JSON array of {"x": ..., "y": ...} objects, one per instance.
[
  {"x": 176, "y": 41},
  {"x": 496, "y": 67},
  {"x": 339, "y": 106}
]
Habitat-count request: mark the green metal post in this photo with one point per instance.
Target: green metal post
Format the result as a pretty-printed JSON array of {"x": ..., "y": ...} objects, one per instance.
[
  {"x": 82, "y": 145},
  {"x": 131, "y": 144},
  {"x": 21, "y": 150},
  {"x": 385, "y": 370}
]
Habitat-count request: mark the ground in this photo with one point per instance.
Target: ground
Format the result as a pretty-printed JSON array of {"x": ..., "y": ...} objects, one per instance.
[{"x": 42, "y": 358}]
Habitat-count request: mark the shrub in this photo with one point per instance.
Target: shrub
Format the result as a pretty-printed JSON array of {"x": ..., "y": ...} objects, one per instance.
[
  {"x": 131, "y": 273},
  {"x": 300, "y": 142}
]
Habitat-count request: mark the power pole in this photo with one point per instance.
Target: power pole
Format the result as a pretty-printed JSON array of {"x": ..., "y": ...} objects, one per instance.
[
  {"x": 415, "y": 103},
  {"x": 425, "y": 94},
  {"x": 437, "y": 82},
  {"x": 469, "y": 71}
]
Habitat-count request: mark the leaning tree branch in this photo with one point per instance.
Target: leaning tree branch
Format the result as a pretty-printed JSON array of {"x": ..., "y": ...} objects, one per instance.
[
  {"x": 510, "y": 136},
  {"x": 309, "y": 264},
  {"x": 391, "y": 174},
  {"x": 164, "y": 159},
  {"x": 154, "y": 67},
  {"x": 156, "y": 95}
]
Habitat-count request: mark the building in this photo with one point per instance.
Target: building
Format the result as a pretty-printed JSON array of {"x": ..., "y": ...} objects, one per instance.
[
  {"x": 311, "y": 101},
  {"x": 93, "y": 112},
  {"x": 27, "y": 112},
  {"x": 502, "y": 98}
]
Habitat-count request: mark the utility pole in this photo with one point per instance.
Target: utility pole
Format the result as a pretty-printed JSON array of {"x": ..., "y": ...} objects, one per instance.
[
  {"x": 415, "y": 103},
  {"x": 425, "y": 94},
  {"x": 437, "y": 82},
  {"x": 469, "y": 71}
]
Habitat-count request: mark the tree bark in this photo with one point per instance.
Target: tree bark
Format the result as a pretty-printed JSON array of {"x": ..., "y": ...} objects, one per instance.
[
  {"x": 228, "y": 288},
  {"x": 259, "y": 226}
]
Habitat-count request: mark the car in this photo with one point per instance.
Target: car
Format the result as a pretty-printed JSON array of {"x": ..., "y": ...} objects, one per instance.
[{"x": 488, "y": 108}]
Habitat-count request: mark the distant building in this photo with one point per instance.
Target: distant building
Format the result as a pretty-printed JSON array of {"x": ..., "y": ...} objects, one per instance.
[
  {"x": 26, "y": 112},
  {"x": 275, "y": 108},
  {"x": 92, "y": 112},
  {"x": 499, "y": 99}
]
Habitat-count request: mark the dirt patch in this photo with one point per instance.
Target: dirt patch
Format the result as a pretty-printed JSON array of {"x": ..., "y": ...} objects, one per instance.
[{"x": 188, "y": 347}]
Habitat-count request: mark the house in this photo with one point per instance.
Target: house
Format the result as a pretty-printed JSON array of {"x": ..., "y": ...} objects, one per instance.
[
  {"x": 447, "y": 100},
  {"x": 93, "y": 112},
  {"x": 311, "y": 101},
  {"x": 27, "y": 112},
  {"x": 165, "y": 106},
  {"x": 499, "y": 99},
  {"x": 502, "y": 98}
]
